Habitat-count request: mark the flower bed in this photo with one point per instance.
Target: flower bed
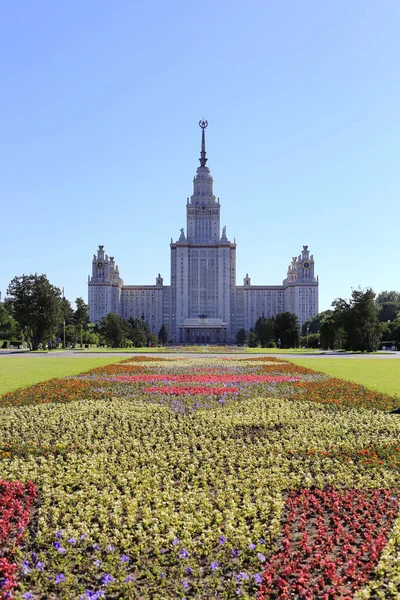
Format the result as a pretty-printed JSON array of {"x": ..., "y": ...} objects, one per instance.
[
  {"x": 330, "y": 390},
  {"x": 165, "y": 478},
  {"x": 331, "y": 541},
  {"x": 16, "y": 500}
]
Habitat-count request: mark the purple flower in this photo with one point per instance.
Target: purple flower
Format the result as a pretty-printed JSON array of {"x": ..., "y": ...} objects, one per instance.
[
  {"x": 128, "y": 579},
  {"x": 56, "y": 545},
  {"x": 59, "y": 534},
  {"x": 89, "y": 595},
  {"x": 60, "y": 578},
  {"x": 25, "y": 567},
  {"x": 97, "y": 563},
  {"x": 257, "y": 578},
  {"x": 241, "y": 576},
  {"x": 124, "y": 558},
  {"x": 107, "y": 579},
  {"x": 222, "y": 539},
  {"x": 183, "y": 553},
  {"x": 176, "y": 541},
  {"x": 260, "y": 556},
  {"x": 235, "y": 553},
  {"x": 262, "y": 541},
  {"x": 185, "y": 584},
  {"x": 110, "y": 548},
  {"x": 83, "y": 536},
  {"x": 40, "y": 565},
  {"x": 238, "y": 592},
  {"x": 214, "y": 565},
  {"x": 162, "y": 575},
  {"x": 33, "y": 556},
  {"x": 96, "y": 547},
  {"x": 27, "y": 596},
  {"x": 189, "y": 571},
  {"x": 72, "y": 541},
  {"x": 252, "y": 546},
  {"x": 61, "y": 550}
]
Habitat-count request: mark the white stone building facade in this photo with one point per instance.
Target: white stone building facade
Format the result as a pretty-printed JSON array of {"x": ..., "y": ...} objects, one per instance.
[{"x": 202, "y": 304}]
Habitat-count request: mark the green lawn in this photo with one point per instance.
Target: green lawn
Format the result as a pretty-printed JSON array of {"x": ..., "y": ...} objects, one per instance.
[
  {"x": 378, "y": 374},
  {"x": 21, "y": 371}
]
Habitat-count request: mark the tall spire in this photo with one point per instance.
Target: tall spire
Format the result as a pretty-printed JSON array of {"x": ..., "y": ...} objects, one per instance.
[{"x": 203, "y": 159}]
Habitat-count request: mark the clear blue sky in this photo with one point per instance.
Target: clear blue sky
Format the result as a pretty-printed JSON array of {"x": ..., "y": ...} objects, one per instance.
[{"x": 100, "y": 141}]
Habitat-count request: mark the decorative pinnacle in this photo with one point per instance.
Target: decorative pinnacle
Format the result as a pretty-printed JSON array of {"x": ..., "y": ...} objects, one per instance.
[{"x": 203, "y": 159}]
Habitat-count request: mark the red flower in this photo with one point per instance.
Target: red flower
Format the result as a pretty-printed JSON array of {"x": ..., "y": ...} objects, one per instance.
[
  {"x": 16, "y": 500},
  {"x": 363, "y": 519}
]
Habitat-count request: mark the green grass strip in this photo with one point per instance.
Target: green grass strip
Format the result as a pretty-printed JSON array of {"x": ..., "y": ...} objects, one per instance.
[
  {"x": 18, "y": 371},
  {"x": 380, "y": 374}
]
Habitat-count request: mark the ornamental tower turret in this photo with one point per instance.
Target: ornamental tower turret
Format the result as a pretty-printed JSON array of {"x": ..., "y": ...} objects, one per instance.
[
  {"x": 105, "y": 286},
  {"x": 301, "y": 287}
]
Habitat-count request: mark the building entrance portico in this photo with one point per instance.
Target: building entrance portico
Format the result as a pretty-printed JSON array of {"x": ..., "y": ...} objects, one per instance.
[{"x": 203, "y": 331}]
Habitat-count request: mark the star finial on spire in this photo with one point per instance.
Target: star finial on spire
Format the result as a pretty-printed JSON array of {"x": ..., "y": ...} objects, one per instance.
[{"x": 203, "y": 159}]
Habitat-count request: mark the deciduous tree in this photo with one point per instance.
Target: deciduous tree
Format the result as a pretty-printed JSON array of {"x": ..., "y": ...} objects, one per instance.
[
  {"x": 81, "y": 314},
  {"x": 8, "y": 325},
  {"x": 287, "y": 329},
  {"x": 314, "y": 324},
  {"x": 115, "y": 330},
  {"x": 363, "y": 329},
  {"x": 265, "y": 330},
  {"x": 358, "y": 319},
  {"x": 36, "y": 306},
  {"x": 139, "y": 332},
  {"x": 388, "y": 305},
  {"x": 252, "y": 339}
]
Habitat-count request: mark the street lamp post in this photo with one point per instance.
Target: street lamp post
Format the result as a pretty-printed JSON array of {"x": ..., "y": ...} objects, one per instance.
[{"x": 63, "y": 324}]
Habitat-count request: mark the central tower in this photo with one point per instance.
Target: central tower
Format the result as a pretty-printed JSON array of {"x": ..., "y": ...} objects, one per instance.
[
  {"x": 202, "y": 210},
  {"x": 203, "y": 267}
]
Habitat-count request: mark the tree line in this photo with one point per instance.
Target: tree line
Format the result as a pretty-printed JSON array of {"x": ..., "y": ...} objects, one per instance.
[
  {"x": 118, "y": 332},
  {"x": 282, "y": 331},
  {"x": 37, "y": 313},
  {"x": 364, "y": 322}
]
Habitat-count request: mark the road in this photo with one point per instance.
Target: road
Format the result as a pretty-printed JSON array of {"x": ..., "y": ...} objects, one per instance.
[{"x": 74, "y": 354}]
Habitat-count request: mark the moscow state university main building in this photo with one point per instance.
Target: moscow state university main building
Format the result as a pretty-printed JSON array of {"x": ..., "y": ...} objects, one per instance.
[{"x": 202, "y": 304}]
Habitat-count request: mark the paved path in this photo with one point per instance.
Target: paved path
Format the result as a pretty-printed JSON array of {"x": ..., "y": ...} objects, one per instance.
[{"x": 75, "y": 354}]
